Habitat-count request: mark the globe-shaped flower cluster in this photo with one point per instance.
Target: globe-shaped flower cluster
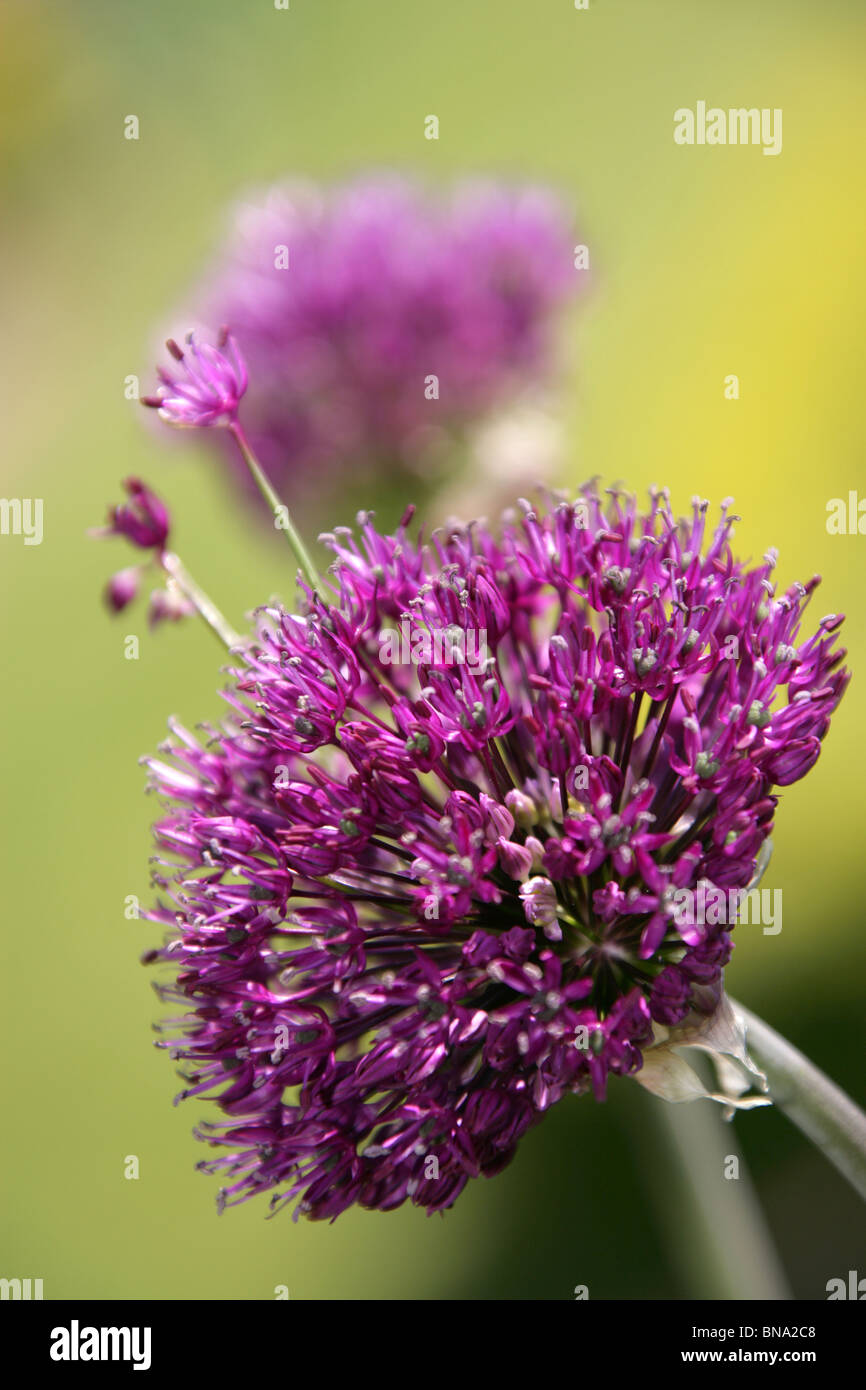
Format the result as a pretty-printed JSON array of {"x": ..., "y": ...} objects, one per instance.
[
  {"x": 378, "y": 319},
  {"x": 417, "y": 891}
]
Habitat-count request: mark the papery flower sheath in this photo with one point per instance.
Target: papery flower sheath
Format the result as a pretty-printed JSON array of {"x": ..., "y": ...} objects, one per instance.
[{"x": 411, "y": 907}]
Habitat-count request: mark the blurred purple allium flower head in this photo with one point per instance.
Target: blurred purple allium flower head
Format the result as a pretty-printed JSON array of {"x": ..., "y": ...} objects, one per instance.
[
  {"x": 414, "y": 902},
  {"x": 379, "y": 319}
]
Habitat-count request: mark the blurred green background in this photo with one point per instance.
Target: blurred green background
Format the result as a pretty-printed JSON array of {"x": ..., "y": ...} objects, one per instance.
[{"x": 705, "y": 262}]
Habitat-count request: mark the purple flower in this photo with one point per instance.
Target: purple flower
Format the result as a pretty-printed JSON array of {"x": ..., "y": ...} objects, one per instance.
[
  {"x": 377, "y": 317},
  {"x": 143, "y": 520},
  {"x": 122, "y": 588},
  {"x": 168, "y": 605},
  {"x": 205, "y": 388},
  {"x": 411, "y": 907}
]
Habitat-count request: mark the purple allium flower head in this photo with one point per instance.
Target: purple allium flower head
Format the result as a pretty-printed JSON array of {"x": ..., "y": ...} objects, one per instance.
[
  {"x": 412, "y": 906},
  {"x": 347, "y": 305},
  {"x": 206, "y": 386}
]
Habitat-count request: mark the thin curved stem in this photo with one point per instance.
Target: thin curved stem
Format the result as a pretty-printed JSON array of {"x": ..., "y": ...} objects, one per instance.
[
  {"x": 282, "y": 518},
  {"x": 813, "y": 1102},
  {"x": 717, "y": 1231},
  {"x": 203, "y": 605}
]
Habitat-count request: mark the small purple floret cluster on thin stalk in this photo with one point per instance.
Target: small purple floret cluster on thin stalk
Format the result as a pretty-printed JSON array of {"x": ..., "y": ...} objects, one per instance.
[
  {"x": 410, "y": 907},
  {"x": 143, "y": 521},
  {"x": 205, "y": 388}
]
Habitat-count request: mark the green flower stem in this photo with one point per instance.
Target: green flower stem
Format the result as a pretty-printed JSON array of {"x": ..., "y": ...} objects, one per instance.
[
  {"x": 279, "y": 509},
  {"x": 715, "y": 1228},
  {"x": 181, "y": 576},
  {"x": 813, "y": 1102}
]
